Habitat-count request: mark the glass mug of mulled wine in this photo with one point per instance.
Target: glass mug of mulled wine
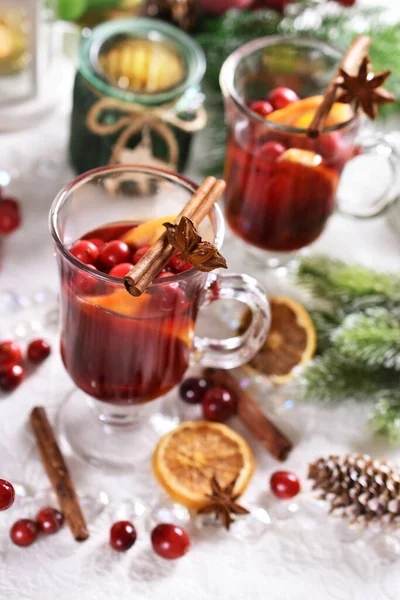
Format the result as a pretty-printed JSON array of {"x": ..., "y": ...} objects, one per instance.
[
  {"x": 121, "y": 351},
  {"x": 282, "y": 185}
]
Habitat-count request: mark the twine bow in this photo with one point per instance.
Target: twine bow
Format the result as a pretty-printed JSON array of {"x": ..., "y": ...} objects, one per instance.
[{"x": 136, "y": 117}]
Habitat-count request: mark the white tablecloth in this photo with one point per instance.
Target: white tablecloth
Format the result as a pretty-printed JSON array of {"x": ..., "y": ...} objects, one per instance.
[{"x": 307, "y": 555}]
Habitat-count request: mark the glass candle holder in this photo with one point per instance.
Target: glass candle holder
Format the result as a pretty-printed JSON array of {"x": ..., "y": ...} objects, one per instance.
[{"x": 137, "y": 96}]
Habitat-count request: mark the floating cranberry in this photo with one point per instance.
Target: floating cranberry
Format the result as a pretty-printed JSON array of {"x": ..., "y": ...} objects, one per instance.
[
  {"x": 271, "y": 151},
  {"x": 114, "y": 253},
  {"x": 121, "y": 270},
  {"x": 281, "y": 97},
  {"x": 10, "y": 354},
  {"x": 284, "y": 484},
  {"x": 7, "y": 494},
  {"x": 262, "y": 108},
  {"x": 218, "y": 404},
  {"x": 98, "y": 242},
  {"x": 170, "y": 541},
  {"x": 122, "y": 536},
  {"x": 85, "y": 251},
  {"x": 137, "y": 255},
  {"x": 164, "y": 274},
  {"x": 193, "y": 389},
  {"x": 49, "y": 520},
  {"x": 84, "y": 282},
  {"x": 38, "y": 350},
  {"x": 179, "y": 264},
  {"x": 11, "y": 377},
  {"x": 329, "y": 145},
  {"x": 171, "y": 299},
  {"x": 24, "y": 532},
  {"x": 10, "y": 215}
]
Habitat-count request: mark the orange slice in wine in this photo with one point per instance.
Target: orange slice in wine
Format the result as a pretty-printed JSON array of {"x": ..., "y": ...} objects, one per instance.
[
  {"x": 186, "y": 459},
  {"x": 146, "y": 233},
  {"x": 300, "y": 114},
  {"x": 301, "y": 157}
]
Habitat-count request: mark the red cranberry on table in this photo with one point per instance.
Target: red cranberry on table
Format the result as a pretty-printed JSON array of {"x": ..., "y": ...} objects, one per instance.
[
  {"x": 219, "y": 404},
  {"x": 281, "y": 97},
  {"x": 114, "y": 253},
  {"x": 24, "y": 532},
  {"x": 271, "y": 151},
  {"x": 179, "y": 264},
  {"x": 170, "y": 541},
  {"x": 7, "y": 494},
  {"x": 193, "y": 389},
  {"x": 38, "y": 350},
  {"x": 284, "y": 484},
  {"x": 346, "y": 2},
  {"x": 10, "y": 215},
  {"x": 137, "y": 255},
  {"x": 262, "y": 107},
  {"x": 49, "y": 520},
  {"x": 11, "y": 377},
  {"x": 85, "y": 251},
  {"x": 121, "y": 270},
  {"x": 10, "y": 354},
  {"x": 122, "y": 536}
]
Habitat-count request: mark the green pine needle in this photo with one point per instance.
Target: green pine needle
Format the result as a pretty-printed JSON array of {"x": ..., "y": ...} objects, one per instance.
[
  {"x": 386, "y": 420},
  {"x": 332, "y": 379},
  {"x": 372, "y": 338},
  {"x": 352, "y": 287},
  {"x": 325, "y": 324}
]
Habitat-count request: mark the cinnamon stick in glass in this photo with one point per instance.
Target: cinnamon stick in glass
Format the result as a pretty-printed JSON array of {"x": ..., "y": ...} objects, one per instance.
[
  {"x": 252, "y": 416},
  {"x": 155, "y": 259},
  {"x": 58, "y": 473},
  {"x": 350, "y": 63}
]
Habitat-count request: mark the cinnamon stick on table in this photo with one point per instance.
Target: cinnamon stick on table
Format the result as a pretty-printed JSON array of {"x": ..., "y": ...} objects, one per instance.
[
  {"x": 252, "y": 416},
  {"x": 58, "y": 473},
  {"x": 155, "y": 259},
  {"x": 350, "y": 63}
]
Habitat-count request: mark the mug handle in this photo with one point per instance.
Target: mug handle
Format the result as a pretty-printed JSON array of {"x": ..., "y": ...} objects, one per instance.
[
  {"x": 238, "y": 350},
  {"x": 375, "y": 144}
]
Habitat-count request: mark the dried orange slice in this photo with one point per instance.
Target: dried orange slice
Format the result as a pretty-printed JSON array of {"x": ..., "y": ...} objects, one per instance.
[
  {"x": 146, "y": 233},
  {"x": 291, "y": 341},
  {"x": 186, "y": 459}
]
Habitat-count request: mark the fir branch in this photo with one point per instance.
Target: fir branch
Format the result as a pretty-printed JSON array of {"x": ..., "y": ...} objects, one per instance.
[
  {"x": 351, "y": 287},
  {"x": 386, "y": 420},
  {"x": 372, "y": 338},
  {"x": 325, "y": 324},
  {"x": 332, "y": 379}
]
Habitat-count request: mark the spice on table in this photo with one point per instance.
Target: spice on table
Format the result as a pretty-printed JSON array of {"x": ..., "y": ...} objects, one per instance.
[
  {"x": 252, "y": 416},
  {"x": 223, "y": 503},
  {"x": 58, "y": 473}
]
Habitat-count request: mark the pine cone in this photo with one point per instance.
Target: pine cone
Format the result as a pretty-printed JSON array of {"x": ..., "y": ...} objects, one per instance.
[{"x": 359, "y": 488}]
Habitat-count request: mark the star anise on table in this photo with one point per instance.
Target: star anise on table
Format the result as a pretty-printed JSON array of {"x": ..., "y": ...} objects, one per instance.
[
  {"x": 204, "y": 256},
  {"x": 364, "y": 89},
  {"x": 223, "y": 503}
]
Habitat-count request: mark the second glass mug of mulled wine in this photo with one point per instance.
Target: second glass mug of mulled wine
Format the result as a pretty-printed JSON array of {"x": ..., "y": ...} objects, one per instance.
[
  {"x": 121, "y": 351},
  {"x": 282, "y": 185}
]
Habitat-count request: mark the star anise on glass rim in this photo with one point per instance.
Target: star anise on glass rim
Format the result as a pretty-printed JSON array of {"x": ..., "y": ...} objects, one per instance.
[
  {"x": 204, "y": 256},
  {"x": 223, "y": 503},
  {"x": 364, "y": 89}
]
